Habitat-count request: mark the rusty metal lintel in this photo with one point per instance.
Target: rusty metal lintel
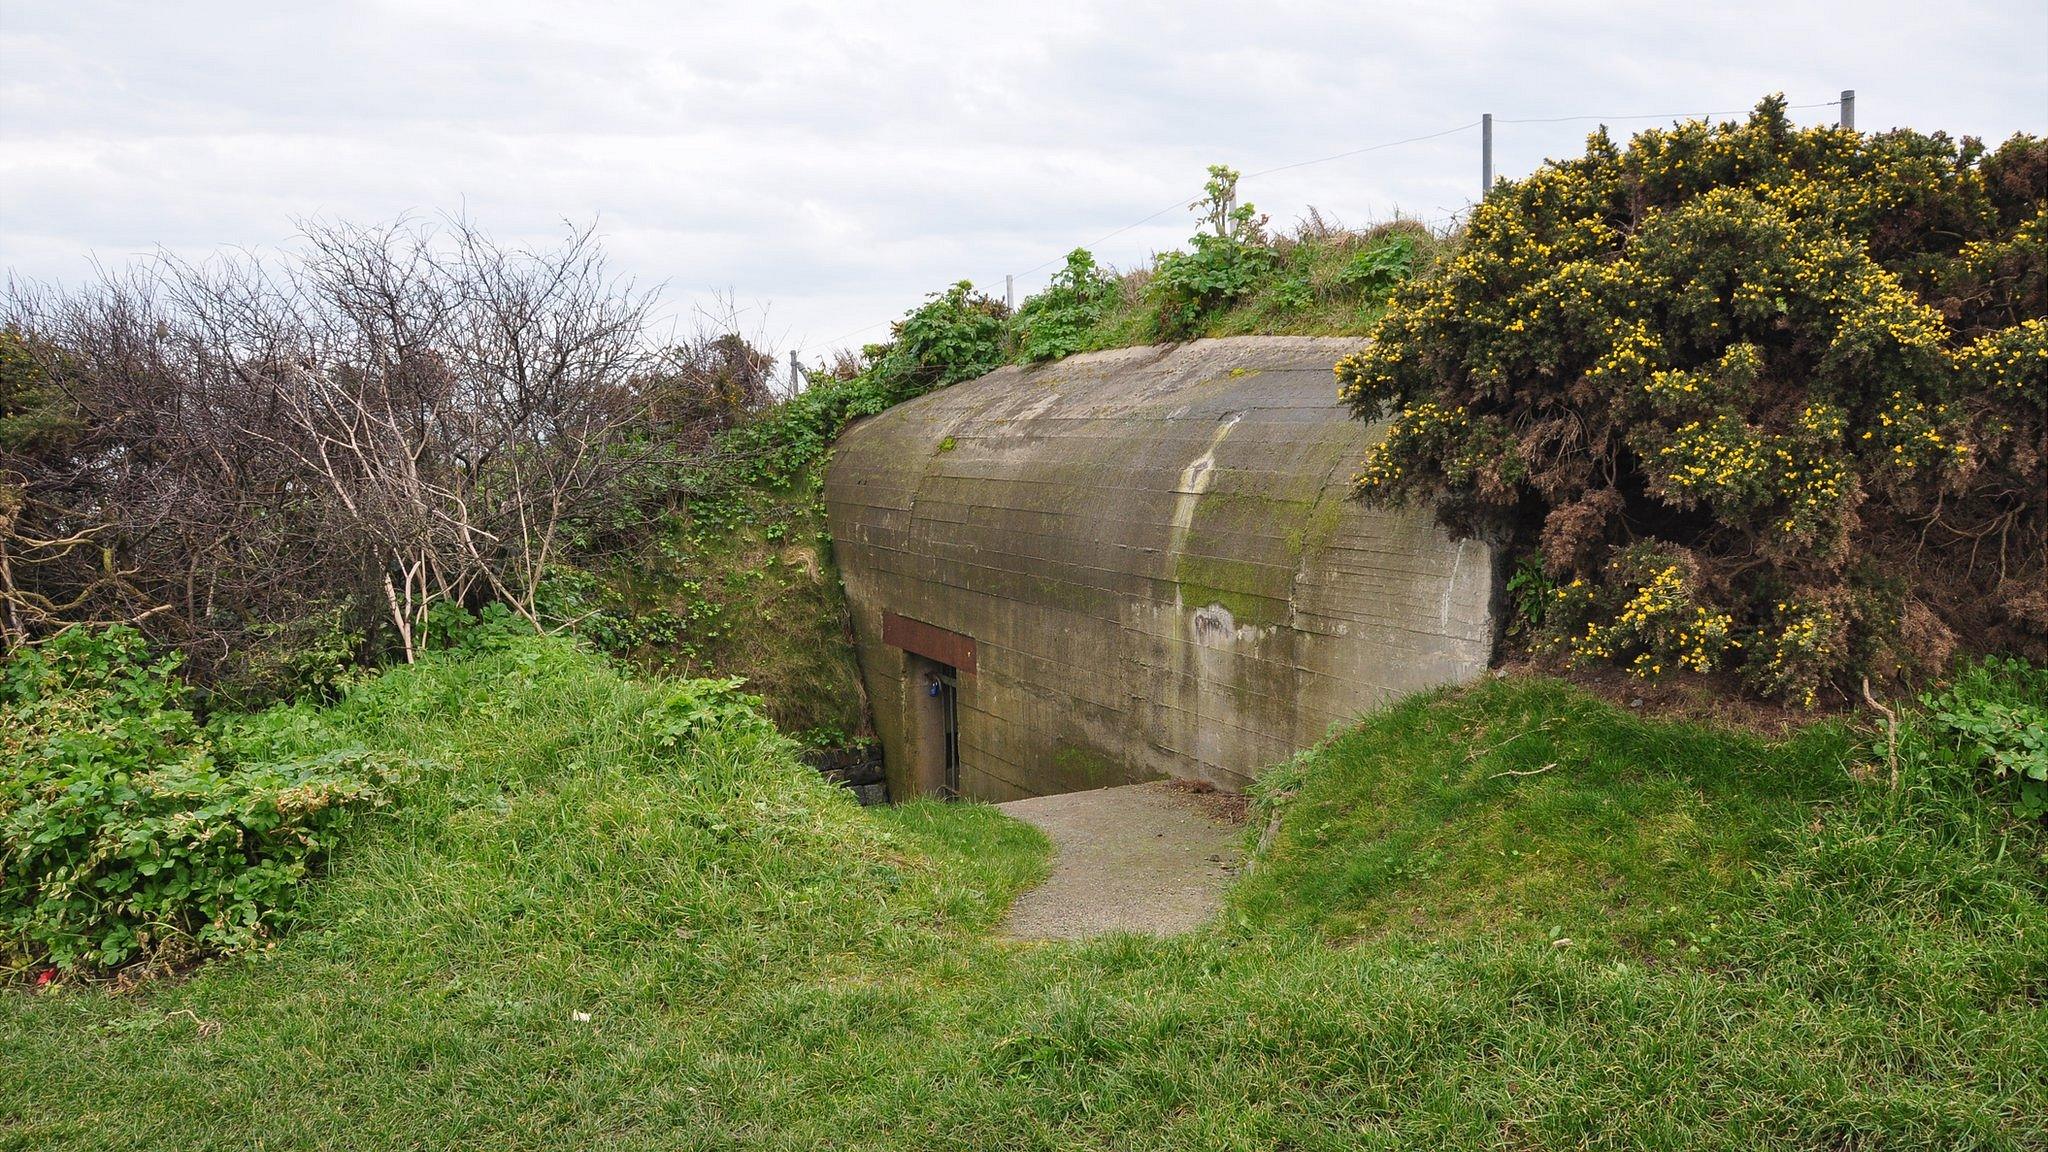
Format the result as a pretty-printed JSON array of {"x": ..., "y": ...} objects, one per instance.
[{"x": 928, "y": 640}]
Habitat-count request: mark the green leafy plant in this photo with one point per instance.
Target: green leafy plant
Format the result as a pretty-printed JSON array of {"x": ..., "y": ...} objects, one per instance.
[
  {"x": 1188, "y": 287},
  {"x": 1226, "y": 265},
  {"x": 957, "y": 335},
  {"x": 1056, "y": 322},
  {"x": 1991, "y": 723},
  {"x": 1292, "y": 293},
  {"x": 695, "y": 707},
  {"x": 127, "y": 830},
  {"x": 1531, "y": 592},
  {"x": 1377, "y": 269}
]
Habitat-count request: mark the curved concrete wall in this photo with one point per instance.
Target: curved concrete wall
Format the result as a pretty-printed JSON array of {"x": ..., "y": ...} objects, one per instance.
[{"x": 1143, "y": 562}]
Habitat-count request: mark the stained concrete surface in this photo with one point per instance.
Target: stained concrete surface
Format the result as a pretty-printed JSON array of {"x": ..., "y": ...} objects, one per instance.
[
  {"x": 1154, "y": 555},
  {"x": 1139, "y": 858}
]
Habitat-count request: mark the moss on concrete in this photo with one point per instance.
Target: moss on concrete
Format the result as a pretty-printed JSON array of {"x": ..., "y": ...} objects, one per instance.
[
  {"x": 1078, "y": 538},
  {"x": 1082, "y": 767},
  {"x": 1207, "y": 580}
]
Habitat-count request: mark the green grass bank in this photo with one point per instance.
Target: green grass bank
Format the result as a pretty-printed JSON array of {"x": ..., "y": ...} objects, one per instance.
[{"x": 609, "y": 912}]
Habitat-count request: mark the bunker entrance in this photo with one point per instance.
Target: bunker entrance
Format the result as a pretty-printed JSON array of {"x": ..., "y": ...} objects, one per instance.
[
  {"x": 938, "y": 708},
  {"x": 934, "y": 659},
  {"x": 1159, "y": 551}
]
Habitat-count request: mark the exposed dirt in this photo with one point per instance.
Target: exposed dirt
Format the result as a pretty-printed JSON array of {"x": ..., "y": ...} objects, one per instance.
[
  {"x": 1232, "y": 808},
  {"x": 1685, "y": 696}
]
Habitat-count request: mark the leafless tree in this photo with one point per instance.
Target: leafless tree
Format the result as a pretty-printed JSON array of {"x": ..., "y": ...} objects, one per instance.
[{"x": 408, "y": 413}]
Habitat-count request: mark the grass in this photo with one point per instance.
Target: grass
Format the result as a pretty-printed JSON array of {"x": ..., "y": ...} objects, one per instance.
[
  {"x": 1315, "y": 289},
  {"x": 1764, "y": 955},
  {"x": 1530, "y": 808}
]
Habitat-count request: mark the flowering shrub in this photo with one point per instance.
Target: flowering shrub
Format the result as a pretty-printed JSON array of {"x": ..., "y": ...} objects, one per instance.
[
  {"x": 1737, "y": 384},
  {"x": 1646, "y": 614}
]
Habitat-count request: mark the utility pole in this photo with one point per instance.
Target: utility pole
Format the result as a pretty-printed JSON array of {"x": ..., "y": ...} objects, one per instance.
[
  {"x": 1849, "y": 108},
  {"x": 1009, "y": 293},
  {"x": 1485, "y": 155},
  {"x": 796, "y": 374}
]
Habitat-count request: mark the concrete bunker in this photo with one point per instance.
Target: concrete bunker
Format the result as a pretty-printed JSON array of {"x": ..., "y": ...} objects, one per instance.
[{"x": 1135, "y": 564}]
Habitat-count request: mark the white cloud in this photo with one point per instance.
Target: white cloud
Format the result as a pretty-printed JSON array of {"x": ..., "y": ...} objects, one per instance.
[{"x": 841, "y": 160}]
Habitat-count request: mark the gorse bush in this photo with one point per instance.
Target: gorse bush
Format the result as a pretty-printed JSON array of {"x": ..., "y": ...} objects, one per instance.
[
  {"x": 1762, "y": 399},
  {"x": 128, "y": 830}
]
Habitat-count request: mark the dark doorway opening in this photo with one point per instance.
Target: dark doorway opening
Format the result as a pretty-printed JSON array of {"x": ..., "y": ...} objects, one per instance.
[
  {"x": 932, "y": 716},
  {"x": 946, "y": 690}
]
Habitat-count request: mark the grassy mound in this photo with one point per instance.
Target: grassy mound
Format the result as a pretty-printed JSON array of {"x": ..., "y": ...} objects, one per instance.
[
  {"x": 1526, "y": 807},
  {"x": 1322, "y": 279},
  {"x": 607, "y": 912},
  {"x": 1526, "y": 811}
]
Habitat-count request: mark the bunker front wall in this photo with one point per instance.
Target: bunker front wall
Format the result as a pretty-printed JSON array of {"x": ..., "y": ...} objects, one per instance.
[{"x": 1151, "y": 559}]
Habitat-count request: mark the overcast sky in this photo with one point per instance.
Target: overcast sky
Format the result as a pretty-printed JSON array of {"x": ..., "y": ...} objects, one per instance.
[{"x": 829, "y": 164}]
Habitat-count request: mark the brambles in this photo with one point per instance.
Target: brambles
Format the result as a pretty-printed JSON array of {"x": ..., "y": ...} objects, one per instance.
[
  {"x": 1807, "y": 369},
  {"x": 127, "y": 830}
]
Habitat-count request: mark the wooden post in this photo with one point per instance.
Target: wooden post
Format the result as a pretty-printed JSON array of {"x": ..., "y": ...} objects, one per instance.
[
  {"x": 1485, "y": 155},
  {"x": 1849, "y": 108},
  {"x": 796, "y": 374}
]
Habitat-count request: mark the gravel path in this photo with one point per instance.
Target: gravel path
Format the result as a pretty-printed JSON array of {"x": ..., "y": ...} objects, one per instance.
[{"x": 1141, "y": 858}]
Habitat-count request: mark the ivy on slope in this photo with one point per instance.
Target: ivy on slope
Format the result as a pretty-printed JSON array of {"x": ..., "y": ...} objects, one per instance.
[{"x": 737, "y": 580}]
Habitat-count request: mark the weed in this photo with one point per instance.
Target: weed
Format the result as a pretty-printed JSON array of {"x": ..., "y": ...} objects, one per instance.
[{"x": 129, "y": 831}]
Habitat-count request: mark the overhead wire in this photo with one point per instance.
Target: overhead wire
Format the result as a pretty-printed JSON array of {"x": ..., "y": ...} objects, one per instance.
[
  {"x": 1361, "y": 151},
  {"x": 1466, "y": 127},
  {"x": 1255, "y": 175},
  {"x": 1654, "y": 115}
]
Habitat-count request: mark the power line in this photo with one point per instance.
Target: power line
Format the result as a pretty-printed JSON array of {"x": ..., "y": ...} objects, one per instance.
[
  {"x": 1179, "y": 203},
  {"x": 1362, "y": 151},
  {"x": 1110, "y": 236},
  {"x": 1656, "y": 115},
  {"x": 1255, "y": 175},
  {"x": 857, "y": 331}
]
